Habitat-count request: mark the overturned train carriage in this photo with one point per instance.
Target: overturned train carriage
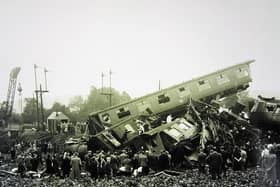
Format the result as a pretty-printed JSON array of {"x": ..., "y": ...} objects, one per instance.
[
  {"x": 117, "y": 126},
  {"x": 266, "y": 113}
]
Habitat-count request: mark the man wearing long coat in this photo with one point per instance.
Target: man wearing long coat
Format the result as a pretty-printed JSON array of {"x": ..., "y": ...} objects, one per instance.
[
  {"x": 215, "y": 161},
  {"x": 76, "y": 166}
]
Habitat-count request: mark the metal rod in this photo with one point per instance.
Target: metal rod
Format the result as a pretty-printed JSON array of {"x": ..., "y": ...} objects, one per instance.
[
  {"x": 110, "y": 88},
  {"x": 42, "y": 107},
  {"x": 37, "y": 109},
  {"x": 37, "y": 100},
  {"x": 35, "y": 67},
  {"x": 45, "y": 72},
  {"x": 102, "y": 77}
]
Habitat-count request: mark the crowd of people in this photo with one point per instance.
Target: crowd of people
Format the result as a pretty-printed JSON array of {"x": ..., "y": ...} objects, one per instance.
[{"x": 212, "y": 161}]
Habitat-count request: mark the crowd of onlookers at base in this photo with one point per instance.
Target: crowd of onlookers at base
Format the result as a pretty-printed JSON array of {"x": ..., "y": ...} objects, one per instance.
[{"x": 213, "y": 161}]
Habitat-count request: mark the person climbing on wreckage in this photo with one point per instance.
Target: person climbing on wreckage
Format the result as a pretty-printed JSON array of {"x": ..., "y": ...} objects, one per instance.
[{"x": 140, "y": 126}]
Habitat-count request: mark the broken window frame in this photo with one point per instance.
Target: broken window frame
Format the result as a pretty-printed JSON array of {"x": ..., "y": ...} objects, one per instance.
[
  {"x": 203, "y": 84},
  {"x": 222, "y": 79},
  {"x": 110, "y": 138},
  {"x": 242, "y": 72},
  {"x": 108, "y": 120},
  {"x": 184, "y": 91},
  {"x": 163, "y": 98},
  {"x": 123, "y": 112},
  {"x": 142, "y": 106},
  {"x": 174, "y": 133},
  {"x": 129, "y": 128}
]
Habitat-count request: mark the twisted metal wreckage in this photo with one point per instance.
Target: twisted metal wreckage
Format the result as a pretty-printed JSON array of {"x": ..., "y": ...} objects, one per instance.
[{"x": 187, "y": 116}]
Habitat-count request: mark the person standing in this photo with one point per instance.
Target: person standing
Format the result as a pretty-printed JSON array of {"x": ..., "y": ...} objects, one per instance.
[
  {"x": 76, "y": 166},
  {"x": 243, "y": 160},
  {"x": 13, "y": 153},
  {"x": 164, "y": 160},
  {"x": 49, "y": 167},
  {"x": 236, "y": 159},
  {"x": 269, "y": 165},
  {"x": 34, "y": 163},
  {"x": 114, "y": 163},
  {"x": 50, "y": 147},
  {"x": 21, "y": 167},
  {"x": 101, "y": 165},
  {"x": 143, "y": 162},
  {"x": 65, "y": 165},
  {"x": 201, "y": 161},
  {"x": 93, "y": 167},
  {"x": 277, "y": 153},
  {"x": 215, "y": 161},
  {"x": 55, "y": 165},
  {"x": 87, "y": 159}
]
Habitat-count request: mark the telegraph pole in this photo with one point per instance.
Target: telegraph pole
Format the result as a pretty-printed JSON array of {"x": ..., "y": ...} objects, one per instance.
[
  {"x": 37, "y": 100},
  {"x": 102, "y": 77},
  {"x": 20, "y": 96},
  {"x": 42, "y": 106},
  {"x": 19, "y": 89},
  {"x": 110, "y": 87},
  {"x": 45, "y": 73},
  {"x": 109, "y": 94},
  {"x": 41, "y": 98}
]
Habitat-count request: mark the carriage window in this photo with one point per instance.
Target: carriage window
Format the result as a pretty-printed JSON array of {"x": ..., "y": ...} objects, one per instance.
[
  {"x": 106, "y": 118},
  {"x": 242, "y": 72},
  {"x": 222, "y": 79},
  {"x": 183, "y": 92},
  {"x": 129, "y": 128},
  {"x": 182, "y": 89},
  {"x": 163, "y": 99},
  {"x": 203, "y": 85},
  {"x": 144, "y": 106},
  {"x": 201, "y": 82},
  {"x": 123, "y": 112}
]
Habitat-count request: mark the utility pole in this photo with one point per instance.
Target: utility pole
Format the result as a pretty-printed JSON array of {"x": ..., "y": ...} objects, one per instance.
[
  {"x": 19, "y": 89},
  {"x": 20, "y": 96},
  {"x": 45, "y": 72},
  {"x": 41, "y": 98},
  {"x": 110, "y": 87},
  {"x": 37, "y": 100},
  {"x": 102, "y": 77},
  {"x": 109, "y": 94},
  {"x": 42, "y": 106},
  {"x": 159, "y": 88}
]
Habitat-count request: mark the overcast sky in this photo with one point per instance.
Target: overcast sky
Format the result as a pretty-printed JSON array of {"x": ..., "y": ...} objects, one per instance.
[{"x": 141, "y": 41}]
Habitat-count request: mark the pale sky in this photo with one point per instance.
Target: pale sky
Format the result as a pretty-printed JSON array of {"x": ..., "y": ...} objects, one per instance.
[{"x": 141, "y": 41}]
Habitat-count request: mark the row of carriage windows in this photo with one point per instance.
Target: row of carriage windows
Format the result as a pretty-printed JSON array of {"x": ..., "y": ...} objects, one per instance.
[{"x": 164, "y": 98}]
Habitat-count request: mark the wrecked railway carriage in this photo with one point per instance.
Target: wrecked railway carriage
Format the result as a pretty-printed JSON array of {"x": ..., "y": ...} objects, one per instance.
[
  {"x": 142, "y": 122},
  {"x": 266, "y": 113}
]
